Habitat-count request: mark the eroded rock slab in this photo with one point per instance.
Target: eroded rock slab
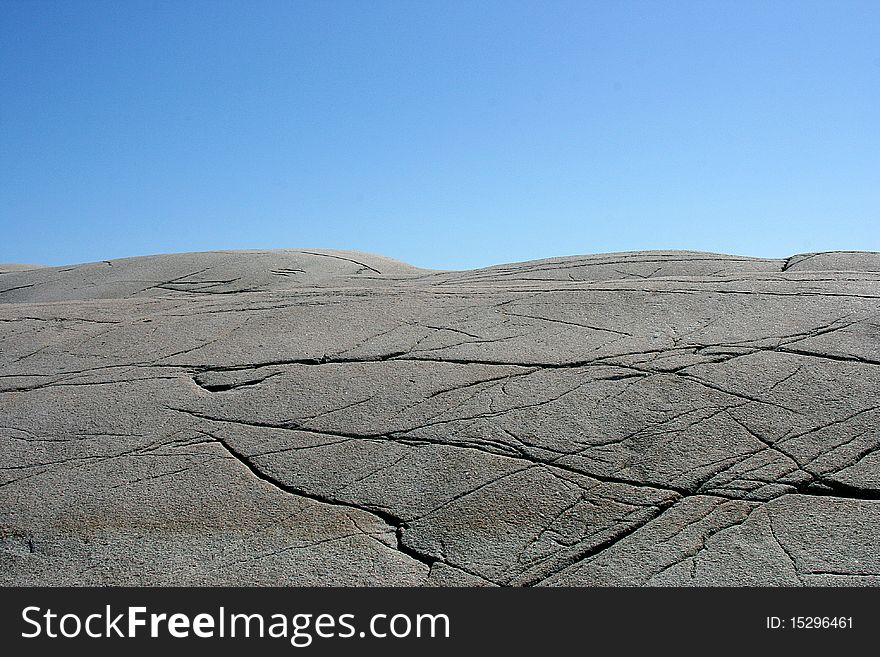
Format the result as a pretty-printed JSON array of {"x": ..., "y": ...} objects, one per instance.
[{"x": 301, "y": 417}]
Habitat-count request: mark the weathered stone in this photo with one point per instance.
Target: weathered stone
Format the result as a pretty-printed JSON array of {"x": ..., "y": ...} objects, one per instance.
[{"x": 301, "y": 417}]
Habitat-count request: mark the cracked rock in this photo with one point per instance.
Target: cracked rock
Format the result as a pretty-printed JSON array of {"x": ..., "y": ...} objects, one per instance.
[{"x": 316, "y": 417}]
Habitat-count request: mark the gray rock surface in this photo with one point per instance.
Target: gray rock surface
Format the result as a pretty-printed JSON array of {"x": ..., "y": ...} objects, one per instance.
[{"x": 301, "y": 417}]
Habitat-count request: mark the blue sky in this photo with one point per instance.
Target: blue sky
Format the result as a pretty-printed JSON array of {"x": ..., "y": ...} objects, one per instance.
[{"x": 447, "y": 134}]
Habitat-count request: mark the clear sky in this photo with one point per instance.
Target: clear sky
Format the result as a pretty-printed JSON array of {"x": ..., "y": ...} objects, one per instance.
[{"x": 447, "y": 134}]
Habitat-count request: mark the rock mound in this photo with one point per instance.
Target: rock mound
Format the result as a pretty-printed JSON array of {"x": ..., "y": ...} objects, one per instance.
[{"x": 301, "y": 417}]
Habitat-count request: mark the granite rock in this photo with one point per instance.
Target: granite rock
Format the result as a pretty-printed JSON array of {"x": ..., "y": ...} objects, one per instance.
[{"x": 317, "y": 417}]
